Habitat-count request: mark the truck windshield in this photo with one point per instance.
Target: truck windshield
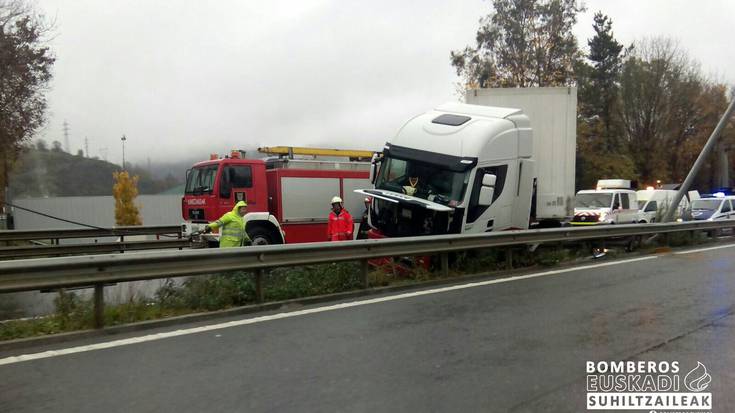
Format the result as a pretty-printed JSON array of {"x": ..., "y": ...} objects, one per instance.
[
  {"x": 201, "y": 180},
  {"x": 706, "y": 204},
  {"x": 422, "y": 180},
  {"x": 593, "y": 200}
]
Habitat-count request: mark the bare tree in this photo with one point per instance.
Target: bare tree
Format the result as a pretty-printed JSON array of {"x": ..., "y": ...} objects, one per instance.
[{"x": 667, "y": 106}]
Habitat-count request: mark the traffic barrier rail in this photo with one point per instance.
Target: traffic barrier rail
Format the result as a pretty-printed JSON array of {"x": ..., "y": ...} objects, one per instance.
[
  {"x": 57, "y": 234},
  {"x": 98, "y": 270},
  {"x": 28, "y": 251}
]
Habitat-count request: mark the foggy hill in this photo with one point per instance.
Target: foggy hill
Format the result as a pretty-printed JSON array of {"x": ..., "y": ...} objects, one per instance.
[{"x": 41, "y": 172}]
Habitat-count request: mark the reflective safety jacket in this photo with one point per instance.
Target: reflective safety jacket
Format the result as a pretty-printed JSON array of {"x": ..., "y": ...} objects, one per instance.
[
  {"x": 232, "y": 228},
  {"x": 340, "y": 226}
]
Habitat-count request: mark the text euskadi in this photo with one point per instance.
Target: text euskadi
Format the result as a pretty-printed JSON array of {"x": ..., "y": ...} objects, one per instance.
[{"x": 633, "y": 376}]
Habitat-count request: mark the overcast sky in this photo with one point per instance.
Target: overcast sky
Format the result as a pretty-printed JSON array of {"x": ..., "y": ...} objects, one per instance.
[{"x": 183, "y": 79}]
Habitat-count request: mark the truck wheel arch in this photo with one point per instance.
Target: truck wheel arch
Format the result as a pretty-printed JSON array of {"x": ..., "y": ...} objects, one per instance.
[{"x": 264, "y": 226}]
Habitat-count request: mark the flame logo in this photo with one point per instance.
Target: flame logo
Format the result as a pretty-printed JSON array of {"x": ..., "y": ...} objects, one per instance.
[{"x": 698, "y": 379}]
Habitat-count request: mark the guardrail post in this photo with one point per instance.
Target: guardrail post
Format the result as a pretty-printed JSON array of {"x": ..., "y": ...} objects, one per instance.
[
  {"x": 364, "y": 273},
  {"x": 99, "y": 305},
  {"x": 445, "y": 264},
  {"x": 259, "y": 296},
  {"x": 509, "y": 258}
]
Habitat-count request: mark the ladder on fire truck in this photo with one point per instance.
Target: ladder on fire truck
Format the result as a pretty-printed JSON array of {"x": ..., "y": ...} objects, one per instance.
[{"x": 290, "y": 151}]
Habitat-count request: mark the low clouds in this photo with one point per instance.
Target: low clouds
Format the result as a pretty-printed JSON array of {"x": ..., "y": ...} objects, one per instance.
[{"x": 184, "y": 79}]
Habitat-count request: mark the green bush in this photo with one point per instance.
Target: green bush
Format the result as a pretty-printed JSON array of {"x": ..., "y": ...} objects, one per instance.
[{"x": 288, "y": 283}]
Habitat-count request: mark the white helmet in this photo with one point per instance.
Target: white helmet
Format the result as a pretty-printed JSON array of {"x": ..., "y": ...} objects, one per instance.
[{"x": 336, "y": 200}]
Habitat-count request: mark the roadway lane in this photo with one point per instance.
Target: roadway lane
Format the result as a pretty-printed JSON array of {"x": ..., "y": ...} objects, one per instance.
[{"x": 519, "y": 345}]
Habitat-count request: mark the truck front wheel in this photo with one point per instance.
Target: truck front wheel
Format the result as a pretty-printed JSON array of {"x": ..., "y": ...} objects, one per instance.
[{"x": 262, "y": 236}]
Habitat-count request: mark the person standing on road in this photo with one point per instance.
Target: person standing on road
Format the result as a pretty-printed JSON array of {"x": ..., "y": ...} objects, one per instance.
[
  {"x": 341, "y": 225},
  {"x": 232, "y": 226}
]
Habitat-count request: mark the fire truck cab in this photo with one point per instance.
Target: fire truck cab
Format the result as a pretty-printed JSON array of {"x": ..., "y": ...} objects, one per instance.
[{"x": 288, "y": 199}]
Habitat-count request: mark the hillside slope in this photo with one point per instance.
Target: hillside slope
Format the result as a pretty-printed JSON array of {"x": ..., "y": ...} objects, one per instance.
[{"x": 39, "y": 173}]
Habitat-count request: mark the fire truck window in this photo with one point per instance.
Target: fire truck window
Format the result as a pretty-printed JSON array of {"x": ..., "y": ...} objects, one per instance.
[
  {"x": 474, "y": 210},
  {"x": 201, "y": 180},
  {"x": 239, "y": 176}
]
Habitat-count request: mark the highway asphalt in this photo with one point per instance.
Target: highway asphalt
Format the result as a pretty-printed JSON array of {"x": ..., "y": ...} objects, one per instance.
[{"x": 517, "y": 345}]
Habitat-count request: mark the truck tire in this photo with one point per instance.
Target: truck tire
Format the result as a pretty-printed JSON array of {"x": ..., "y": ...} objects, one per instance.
[{"x": 262, "y": 236}]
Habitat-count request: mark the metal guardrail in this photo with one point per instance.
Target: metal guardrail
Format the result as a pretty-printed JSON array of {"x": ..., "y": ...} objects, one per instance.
[
  {"x": 56, "y": 234},
  {"x": 96, "y": 248},
  {"x": 98, "y": 270}
]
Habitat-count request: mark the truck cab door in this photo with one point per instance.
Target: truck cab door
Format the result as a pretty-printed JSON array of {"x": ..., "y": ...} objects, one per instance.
[
  {"x": 615, "y": 208},
  {"x": 236, "y": 184},
  {"x": 485, "y": 215}
]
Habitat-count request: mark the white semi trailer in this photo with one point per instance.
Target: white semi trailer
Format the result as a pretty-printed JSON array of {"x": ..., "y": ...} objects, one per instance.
[
  {"x": 553, "y": 115},
  {"x": 464, "y": 168}
]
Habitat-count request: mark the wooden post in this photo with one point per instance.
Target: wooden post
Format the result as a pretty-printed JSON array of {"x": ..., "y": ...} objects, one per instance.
[
  {"x": 445, "y": 264},
  {"x": 259, "y": 295},
  {"x": 364, "y": 272},
  {"x": 509, "y": 258},
  {"x": 99, "y": 305}
]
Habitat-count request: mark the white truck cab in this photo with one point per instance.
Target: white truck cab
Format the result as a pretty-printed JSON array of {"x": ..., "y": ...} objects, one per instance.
[
  {"x": 612, "y": 202},
  {"x": 506, "y": 161}
]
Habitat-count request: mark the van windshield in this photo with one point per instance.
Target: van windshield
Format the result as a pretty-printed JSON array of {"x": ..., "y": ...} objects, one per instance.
[
  {"x": 706, "y": 204},
  {"x": 422, "y": 180},
  {"x": 593, "y": 200},
  {"x": 201, "y": 180}
]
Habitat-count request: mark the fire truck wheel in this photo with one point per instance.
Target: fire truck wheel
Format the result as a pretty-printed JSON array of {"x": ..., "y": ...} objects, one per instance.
[{"x": 261, "y": 236}]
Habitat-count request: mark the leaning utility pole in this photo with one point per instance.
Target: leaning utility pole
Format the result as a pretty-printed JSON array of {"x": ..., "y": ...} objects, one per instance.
[{"x": 711, "y": 142}]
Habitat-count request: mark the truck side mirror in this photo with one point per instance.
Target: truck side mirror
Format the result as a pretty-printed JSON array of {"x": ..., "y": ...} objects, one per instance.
[
  {"x": 489, "y": 180},
  {"x": 486, "y": 196},
  {"x": 488, "y": 190},
  {"x": 374, "y": 168}
]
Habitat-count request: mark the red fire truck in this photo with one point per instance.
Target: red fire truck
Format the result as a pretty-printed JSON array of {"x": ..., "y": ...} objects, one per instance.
[{"x": 288, "y": 197}]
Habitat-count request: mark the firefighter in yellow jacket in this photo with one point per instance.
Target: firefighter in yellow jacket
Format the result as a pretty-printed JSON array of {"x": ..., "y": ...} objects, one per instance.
[{"x": 232, "y": 227}]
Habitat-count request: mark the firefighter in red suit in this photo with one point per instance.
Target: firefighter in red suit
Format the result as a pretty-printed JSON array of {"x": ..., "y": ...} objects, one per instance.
[{"x": 340, "y": 224}]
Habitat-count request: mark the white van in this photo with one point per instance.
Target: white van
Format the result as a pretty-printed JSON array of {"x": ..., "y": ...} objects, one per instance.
[
  {"x": 653, "y": 203},
  {"x": 613, "y": 202}
]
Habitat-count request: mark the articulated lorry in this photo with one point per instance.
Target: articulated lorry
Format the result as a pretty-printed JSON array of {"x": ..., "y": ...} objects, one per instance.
[{"x": 505, "y": 161}]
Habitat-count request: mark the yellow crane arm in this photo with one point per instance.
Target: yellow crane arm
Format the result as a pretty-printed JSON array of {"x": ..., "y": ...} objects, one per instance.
[{"x": 292, "y": 150}]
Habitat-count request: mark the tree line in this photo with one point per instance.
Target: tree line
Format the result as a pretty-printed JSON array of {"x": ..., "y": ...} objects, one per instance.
[{"x": 644, "y": 111}]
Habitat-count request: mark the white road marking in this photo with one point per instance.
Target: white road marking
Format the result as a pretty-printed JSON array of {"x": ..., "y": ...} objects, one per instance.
[
  {"x": 704, "y": 249},
  {"x": 254, "y": 320}
]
